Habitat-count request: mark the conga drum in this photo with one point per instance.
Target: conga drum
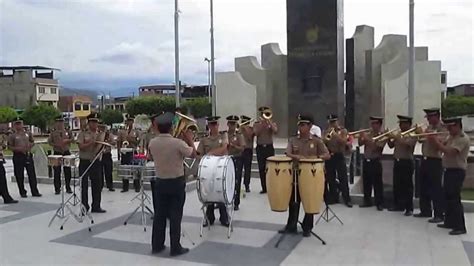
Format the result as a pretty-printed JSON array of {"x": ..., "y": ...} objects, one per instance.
[
  {"x": 311, "y": 184},
  {"x": 279, "y": 182}
]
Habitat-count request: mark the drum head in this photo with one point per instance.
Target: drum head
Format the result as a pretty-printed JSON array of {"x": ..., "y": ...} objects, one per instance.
[
  {"x": 229, "y": 180},
  {"x": 279, "y": 159},
  {"x": 311, "y": 160},
  {"x": 216, "y": 181}
]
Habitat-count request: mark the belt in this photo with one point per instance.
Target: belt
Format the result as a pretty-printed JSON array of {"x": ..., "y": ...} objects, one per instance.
[
  {"x": 431, "y": 158},
  {"x": 264, "y": 145},
  {"x": 372, "y": 160}
]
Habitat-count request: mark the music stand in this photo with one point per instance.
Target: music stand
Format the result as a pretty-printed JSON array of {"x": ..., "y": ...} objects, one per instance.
[{"x": 295, "y": 202}]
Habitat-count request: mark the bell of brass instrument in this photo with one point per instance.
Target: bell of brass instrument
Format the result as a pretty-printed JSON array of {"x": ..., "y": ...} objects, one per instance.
[
  {"x": 267, "y": 114},
  {"x": 417, "y": 129},
  {"x": 330, "y": 134},
  {"x": 184, "y": 123},
  {"x": 125, "y": 144}
]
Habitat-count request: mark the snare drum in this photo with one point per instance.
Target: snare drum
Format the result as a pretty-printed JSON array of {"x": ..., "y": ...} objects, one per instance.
[
  {"x": 311, "y": 184},
  {"x": 55, "y": 160},
  {"x": 216, "y": 179},
  {"x": 69, "y": 161},
  {"x": 279, "y": 182}
]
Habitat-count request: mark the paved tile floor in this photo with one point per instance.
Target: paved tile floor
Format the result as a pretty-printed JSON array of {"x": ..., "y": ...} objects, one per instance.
[{"x": 368, "y": 237}]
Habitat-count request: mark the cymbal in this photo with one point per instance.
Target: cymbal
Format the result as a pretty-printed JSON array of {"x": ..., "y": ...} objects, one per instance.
[{"x": 104, "y": 143}]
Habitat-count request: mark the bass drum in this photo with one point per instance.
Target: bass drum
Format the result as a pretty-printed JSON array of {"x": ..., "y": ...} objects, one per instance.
[{"x": 216, "y": 180}]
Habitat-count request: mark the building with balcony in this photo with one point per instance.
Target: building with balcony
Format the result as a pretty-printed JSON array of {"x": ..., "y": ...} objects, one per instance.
[
  {"x": 25, "y": 86},
  {"x": 150, "y": 90},
  {"x": 117, "y": 103},
  {"x": 75, "y": 110}
]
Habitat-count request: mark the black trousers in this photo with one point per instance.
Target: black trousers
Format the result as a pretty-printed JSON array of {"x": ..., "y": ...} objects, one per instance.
[
  {"x": 403, "y": 183},
  {"x": 107, "y": 167},
  {"x": 57, "y": 174},
  {"x": 238, "y": 164},
  {"x": 453, "y": 180},
  {"x": 127, "y": 159},
  {"x": 263, "y": 152},
  {"x": 94, "y": 174},
  {"x": 294, "y": 211},
  {"x": 431, "y": 190},
  {"x": 336, "y": 170},
  {"x": 20, "y": 162},
  {"x": 3, "y": 184},
  {"x": 169, "y": 196},
  {"x": 224, "y": 217},
  {"x": 372, "y": 178},
  {"x": 247, "y": 157}
]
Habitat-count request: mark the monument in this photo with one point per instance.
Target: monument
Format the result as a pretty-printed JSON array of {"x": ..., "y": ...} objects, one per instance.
[{"x": 315, "y": 38}]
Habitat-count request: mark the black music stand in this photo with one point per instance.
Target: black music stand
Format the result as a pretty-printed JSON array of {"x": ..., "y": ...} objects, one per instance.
[{"x": 294, "y": 204}]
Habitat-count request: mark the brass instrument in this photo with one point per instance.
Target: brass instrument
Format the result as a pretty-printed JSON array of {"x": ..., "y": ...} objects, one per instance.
[
  {"x": 246, "y": 122},
  {"x": 358, "y": 132},
  {"x": 125, "y": 144},
  {"x": 330, "y": 134},
  {"x": 385, "y": 136},
  {"x": 421, "y": 135},
  {"x": 185, "y": 123},
  {"x": 266, "y": 114},
  {"x": 417, "y": 129}
]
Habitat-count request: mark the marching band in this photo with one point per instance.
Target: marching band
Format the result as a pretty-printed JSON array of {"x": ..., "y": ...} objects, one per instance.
[{"x": 170, "y": 140}]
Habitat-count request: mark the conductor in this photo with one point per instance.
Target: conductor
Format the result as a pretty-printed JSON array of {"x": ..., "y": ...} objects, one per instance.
[{"x": 169, "y": 192}]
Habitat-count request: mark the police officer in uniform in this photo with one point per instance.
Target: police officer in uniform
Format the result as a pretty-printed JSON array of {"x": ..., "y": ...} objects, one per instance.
[
  {"x": 247, "y": 155},
  {"x": 236, "y": 146},
  {"x": 264, "y": 130},
  {"x": 455, "y": 152},
  {"x": 88, "y": 149},
  {"x": 431, "y": 172},
  {"x": 372, "y": 167},
  {"x": 7, "y": 199},
  {"x": 169, "y": 193},
  {"x": 336, "y": 143},
  {"x": 302, "y": 146},
  {"x": 146, "y": 137},
  {"x": 21, "y": 142},
  {"x": 107, "y": 162},
  {"x": 215, "y": 144},
  {"x": 403, "y": 167},
  {"x": 60, "y": 139},
  {"x": 130, "y": 135}
]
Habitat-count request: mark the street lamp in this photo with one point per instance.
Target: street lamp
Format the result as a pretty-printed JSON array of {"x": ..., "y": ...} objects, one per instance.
[
  {"x": 208, "y": 78},
  {"x": 213, "y": 79},
  {"x": 411, "y": 64},
  {"x": 176, "y": 52}
]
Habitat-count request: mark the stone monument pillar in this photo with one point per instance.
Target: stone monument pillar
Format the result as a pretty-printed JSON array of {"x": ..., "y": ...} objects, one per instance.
[{"x": 315, "y": 37}]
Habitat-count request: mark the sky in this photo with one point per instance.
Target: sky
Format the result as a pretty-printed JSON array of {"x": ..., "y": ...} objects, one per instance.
[{"x": 112, "y": 44}]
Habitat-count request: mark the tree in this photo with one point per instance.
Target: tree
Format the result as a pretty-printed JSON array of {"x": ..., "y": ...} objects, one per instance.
[
  {"x": 7, "y": 114},
  {"x": 110, "y": 117},
  {"x": 458, "y": 106},
  {"x": 198, "y": 107},
  {"x": 150, "y": 105},
  {"x": 40, "y": 115}
]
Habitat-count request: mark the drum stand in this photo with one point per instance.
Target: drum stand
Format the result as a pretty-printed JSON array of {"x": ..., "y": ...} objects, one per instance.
[
  {"x": 283, "y": 235},
  {"x": 325, "y": 215},
  {"x": 230, "y": 215},
  {"x": 143, "y": 197}
]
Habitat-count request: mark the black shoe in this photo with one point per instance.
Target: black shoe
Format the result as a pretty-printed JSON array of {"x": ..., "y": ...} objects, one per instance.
[
  {"x": 137, "y": 190},
  {"x": 236, "y": 207},
  {"x": 123, "y": 190},
  {"x": 37, "y": 195},
  {"x": 365, "y": 205},
  {"x": 57, "y": 192},
  {"x": 456, "y": 232},
  {"x": 23, "y": 196},
  {"x": 395, "y": 209},
  {"x": 408, "y": 213},
  {"x": 68, "y": 191},
  {"x": 100, "y": 210},
  {"x": 179, "y": 251},
  {"x": 436, "y": 220},
  {"x": 379, "y": 208},
  {"x": 348, "y": 204},
  {"x": 10, "y": 201},
  {"x": 225, "y": 224},
  {"x": 263, "y": 192},
  {"x": 444, "y": 226},
  {"x": 247, "y": 189},
  {"x": 206, "y": 224},
  {"x": 422, "y": 215},
  {"x": 111, "y": 189},
  {"x": 306, "y": 233},
  {"x": 158, "y": 250},
  {"x": 287, "y": 231}
]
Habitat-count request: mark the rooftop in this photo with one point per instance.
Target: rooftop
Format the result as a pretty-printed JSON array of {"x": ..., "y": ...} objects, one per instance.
[{"x": 27, "y": 68}]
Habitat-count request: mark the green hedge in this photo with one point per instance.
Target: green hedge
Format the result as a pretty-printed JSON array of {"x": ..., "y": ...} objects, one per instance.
[
  {"x": 198, "y": 107},
  {"x": 458, "y": 106},
  {"x": 149, "y": 105},
  {"x": 7, "y": 114}
]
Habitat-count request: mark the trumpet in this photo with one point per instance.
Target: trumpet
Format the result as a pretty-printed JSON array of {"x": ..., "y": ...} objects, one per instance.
[
  {"x": 417, "y": 129},
  {"x": 358, "y": 132},
  {"x": 330, "y": 134},
  {"x": 267, "y": 114},
  {"x": 421, "y": 135},
  {"x": 385, "y": 136},
  {"x": 184, "y": 123}
]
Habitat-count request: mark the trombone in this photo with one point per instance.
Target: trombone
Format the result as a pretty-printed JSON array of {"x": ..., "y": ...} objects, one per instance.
[
  {"x": 266, "y": 114},
  {"x": 245, "y": 123},
  {"x": 417, "y": 129},
  {"x": 384, "y": 136},
  {"x": 427, "y": 134},
  {"x": 358, "y": 132}
]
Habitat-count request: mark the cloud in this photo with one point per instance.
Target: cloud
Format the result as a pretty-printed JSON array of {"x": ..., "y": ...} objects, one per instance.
[{"x": 128, "y": 54}]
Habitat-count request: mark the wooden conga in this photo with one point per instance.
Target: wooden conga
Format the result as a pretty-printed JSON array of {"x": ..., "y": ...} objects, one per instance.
[
  {"x": 311, "y": 184},
  {"x": 279, "y": 175}
]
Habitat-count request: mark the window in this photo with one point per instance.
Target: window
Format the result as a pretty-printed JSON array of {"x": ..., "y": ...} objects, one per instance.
[
  {"x": 77, "y": 106},
  {"x": 85, "y": 107},
  {"x": 41, "y": 90},
  {"x": 53, "y": 90},
  {"x": 443, "y": 78}
]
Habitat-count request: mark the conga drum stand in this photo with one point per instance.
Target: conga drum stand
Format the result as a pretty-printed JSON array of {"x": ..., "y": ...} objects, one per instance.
[
  {"x": 295, "y": 202},
  {"x": 326, "y": 216}
]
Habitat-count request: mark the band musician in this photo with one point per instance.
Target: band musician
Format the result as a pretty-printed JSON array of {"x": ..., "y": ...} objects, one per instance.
[{"x": 60, "y": 139}]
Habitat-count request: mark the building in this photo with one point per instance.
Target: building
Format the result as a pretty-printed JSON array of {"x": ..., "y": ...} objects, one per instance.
[
  {"x": 24, "y": 86},
  {"x": 75, "y": 110},
  {"x": 117, "y": 103},
  {"x": 150, "y": 90},
  {"x": 462, "y": 90}
]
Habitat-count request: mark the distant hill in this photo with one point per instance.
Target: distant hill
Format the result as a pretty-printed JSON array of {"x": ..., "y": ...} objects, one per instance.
[{"x": 93, "y": 93}]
